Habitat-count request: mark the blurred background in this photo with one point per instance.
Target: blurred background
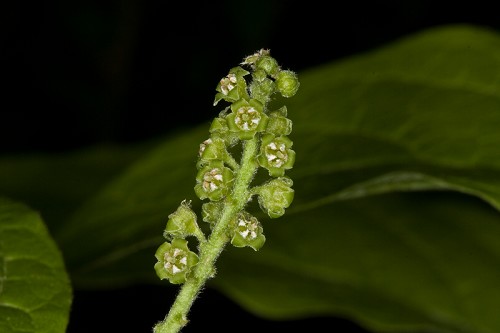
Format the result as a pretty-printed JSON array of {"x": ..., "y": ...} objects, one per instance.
[
  {"x": 81, "y": 73},
  {"x": 77, "y": 73}
]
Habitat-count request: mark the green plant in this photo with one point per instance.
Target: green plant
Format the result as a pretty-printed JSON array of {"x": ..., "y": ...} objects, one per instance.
[
  {"x": 263, "y": 136},
  {"x": 394, "y": 222}
]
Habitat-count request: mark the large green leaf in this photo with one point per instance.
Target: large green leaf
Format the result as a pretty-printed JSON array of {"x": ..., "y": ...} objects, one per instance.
[
  {"x": 35, "y": 292},
  {"x": 420, "y": 114},
  {"x": 420, "y": 262}
]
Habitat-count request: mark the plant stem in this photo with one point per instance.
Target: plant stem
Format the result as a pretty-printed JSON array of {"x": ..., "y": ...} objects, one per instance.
[{"x": 210, "y": 250}]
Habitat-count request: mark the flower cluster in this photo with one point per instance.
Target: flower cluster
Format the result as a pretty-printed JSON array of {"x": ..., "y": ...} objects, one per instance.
[
  {"x": 175, "y": 259},
  {"x": 247, "y": 117}
]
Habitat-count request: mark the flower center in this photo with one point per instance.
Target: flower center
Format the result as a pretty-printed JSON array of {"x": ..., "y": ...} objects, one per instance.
[
  {"x": 212, "y": 180},
  {"x": 175, "y": 261},
  {"x": 247, "y": 118},
  {"x": 228, "y": 83},
  {"x": 247, "y": 229},
  {"x": 276, "y": 154},
  {"x": 204, "y": 145}
]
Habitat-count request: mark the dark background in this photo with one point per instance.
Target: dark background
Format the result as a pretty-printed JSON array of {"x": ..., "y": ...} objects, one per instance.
[
  {"x": 80, "y": 73},
  {"x": 77, "y": 73}
]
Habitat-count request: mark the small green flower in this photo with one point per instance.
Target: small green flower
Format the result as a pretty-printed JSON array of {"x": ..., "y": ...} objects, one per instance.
[
  {"x": 259, "y": 75},
  {"x": 262, "y": 90},
  {"x": 175, "y": 260},
  {"x": 287, "y": 83},
  {"x": 276, "y": 195},
  {"x": 182, "y": 222},
  {"x": 252, "y": 59},
  {"x": 213, "y": 181},
  {"x": 214, "y": 148},
  {"x": 278, "y": 123},
  {"x": 219, "y": 127},
  {"x": 228, "y": 83},
  {"x": 247, "y": 118},
  {"x": 268, "y": 64},
  {"x": 232, "y": 87},
  {"x": 247, "y": 231},
  {"x": 276, "y": 155},
  {"x": 211, "y": 212}
]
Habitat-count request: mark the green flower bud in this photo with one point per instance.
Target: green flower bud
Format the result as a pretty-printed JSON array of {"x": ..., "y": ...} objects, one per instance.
[
  {"x": 252, "y": 59},
  {"x": 282, "y": 111},
  {"x": 182, "y": 222},
  {"x": 220, "y": 128},
  {"x": 175, "y": 260},
  {"x": 247, "y": 231},
  {"x": 278, "y": 124},
  {"x": 262, "y": 90},
  {"x": 275, "y": 196},
  {"x": 259, "y": 75},
  {"x": 232, "y": 87},
  {"x": 247, "y": 118},
  {"x": 214, "y": 148},
  {"x": 275, "y": 154},
  {"x": 211, "y": 212},
  {"x": 268, "y": 64},
  {"x": 219, "y": 125},
  {"x": 287, "y": 83},
  {"x": 213, "y": 181}
]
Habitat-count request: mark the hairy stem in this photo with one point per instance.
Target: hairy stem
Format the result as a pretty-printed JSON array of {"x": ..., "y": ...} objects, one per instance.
[{"x": 210, "y": 250}]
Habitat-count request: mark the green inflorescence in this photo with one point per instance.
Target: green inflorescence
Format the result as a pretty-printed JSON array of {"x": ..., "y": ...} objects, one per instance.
[{"x": 225, "y": 184}]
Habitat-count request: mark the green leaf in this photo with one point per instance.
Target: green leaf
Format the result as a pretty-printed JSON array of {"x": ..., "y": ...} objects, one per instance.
[
  {"x": 420, "y": 262},
  {"x": 420, "y": 114},
  {"x": 35, "y": 291}
]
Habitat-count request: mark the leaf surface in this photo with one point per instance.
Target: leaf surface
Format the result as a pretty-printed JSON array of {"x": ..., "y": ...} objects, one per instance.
[{"x": 35, "y": 292}]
